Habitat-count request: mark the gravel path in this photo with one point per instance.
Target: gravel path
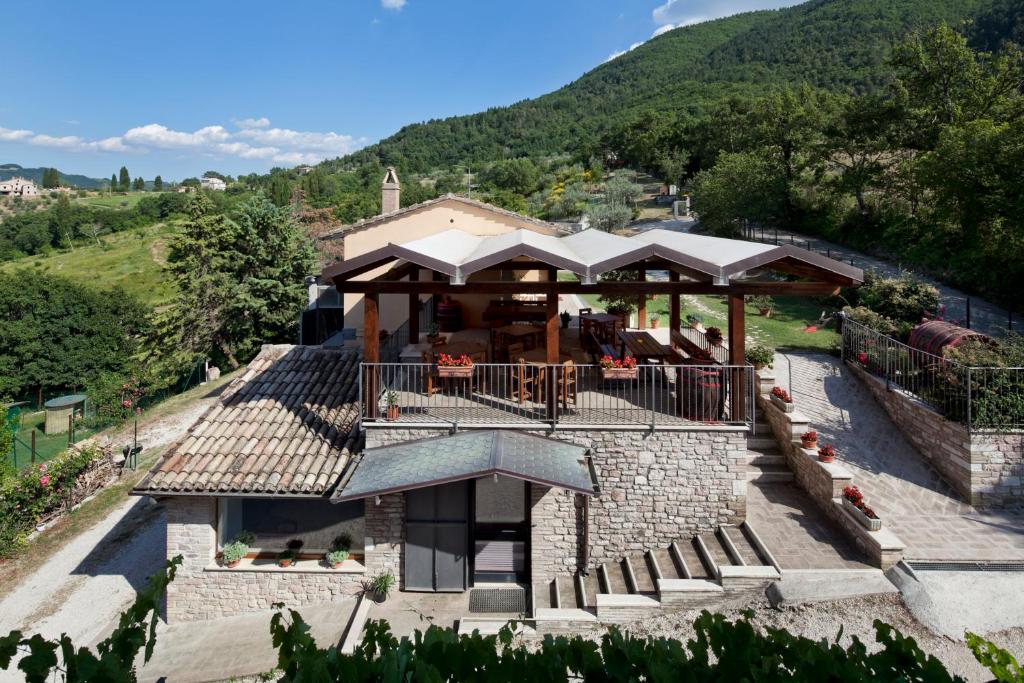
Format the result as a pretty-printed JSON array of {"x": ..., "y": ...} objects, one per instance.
[{"x": 82, "y": 589}]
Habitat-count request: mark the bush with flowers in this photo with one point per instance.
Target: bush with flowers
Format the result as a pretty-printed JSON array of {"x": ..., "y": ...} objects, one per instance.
[
  {"x": 115, "y": 398},
  {"x": 35, "y": 493},
  {"x": 627, "y": 363}
]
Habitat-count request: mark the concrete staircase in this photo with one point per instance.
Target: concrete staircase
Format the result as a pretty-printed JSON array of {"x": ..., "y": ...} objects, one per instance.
[
  {"x": 767, "y": 464},
  {"x": 710, "y": 570}
]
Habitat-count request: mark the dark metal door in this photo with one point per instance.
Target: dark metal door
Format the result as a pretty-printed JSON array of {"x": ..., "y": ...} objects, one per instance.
[{"x": 436, "y": 538}]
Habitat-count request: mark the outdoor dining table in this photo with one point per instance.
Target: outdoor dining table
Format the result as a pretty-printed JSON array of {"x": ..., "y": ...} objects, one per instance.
[
  {"x": 643, "y": 347},
  {"x": 605, "y": 322},
  {"x": 518, "y": 332}
]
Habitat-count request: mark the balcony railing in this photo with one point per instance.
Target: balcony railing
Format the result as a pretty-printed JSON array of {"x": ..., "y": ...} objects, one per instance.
[{"x": 535, "y": 395}]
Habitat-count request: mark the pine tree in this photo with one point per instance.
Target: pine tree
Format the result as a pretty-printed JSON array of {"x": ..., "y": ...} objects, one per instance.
[
  {"x": 158, "y": 184},
  {"x": 113, "y": 182},
  {"x": 139, "y": 185},
  {"x": 125, "y": 182},
  {"x": 51, "y": 178}
]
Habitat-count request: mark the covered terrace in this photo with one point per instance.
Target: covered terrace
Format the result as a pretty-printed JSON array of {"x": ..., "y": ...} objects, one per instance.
[{"x": 526, "y": 369}]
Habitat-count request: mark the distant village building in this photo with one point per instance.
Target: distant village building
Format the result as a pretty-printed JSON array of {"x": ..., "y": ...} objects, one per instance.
[
  {"x": 303, "y": 170},
  {"x": 213, "y": 184},
  {"x": 18, "y": 187},
  {"x": 184, "y": 189}
]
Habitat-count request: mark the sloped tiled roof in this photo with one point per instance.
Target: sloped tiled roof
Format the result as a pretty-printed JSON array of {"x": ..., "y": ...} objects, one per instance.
[{"x": 288, "y": 425}]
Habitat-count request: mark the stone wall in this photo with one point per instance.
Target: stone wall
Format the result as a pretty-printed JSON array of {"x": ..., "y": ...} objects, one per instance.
[
  {"x": 556, "y": 537},
  {"x": 987, "y": 469},
  {"x": 655, "y": 488},
  {"x": 203, "y": 590}
]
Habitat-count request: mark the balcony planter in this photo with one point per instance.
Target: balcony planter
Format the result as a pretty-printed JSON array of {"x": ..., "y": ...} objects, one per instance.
[
  {"x": 618, "y": 373},
  {"x": 782, "y": 405},
  {"x": 461, "y": 371},
  {"x": 869, "y": 523}
]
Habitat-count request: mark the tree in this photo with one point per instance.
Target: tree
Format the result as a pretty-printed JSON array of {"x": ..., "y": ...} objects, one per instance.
[
  {"x": 515, "y": 175},
  {"x": 113, "y": 182},
  {"x": 124, "y": 182},
  {"x": 139, "y": 185},
  {"x": 158, "y": 184},
  {"x": 51, "y": 178},
  {"x": 609, "y": 217},
  {"x": 742, "y": 187},
  {"x": 240, "y": 280}
]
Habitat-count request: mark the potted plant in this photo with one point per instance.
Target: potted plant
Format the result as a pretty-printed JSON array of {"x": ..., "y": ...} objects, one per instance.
[
  {"x": 614, "y": 368},
  {"x": 696, "y": 321},
  {"x": 714, "y": 335},
  {"x": 235, "y": 551},
  {"x": 449, "y": 366},
  {"x": 391, "y": 398},
  {"x": 339, "y": 551},
  {"x": 434, "y": 333},
  {"x": 287, "y": 558},
  {"x": 827, "y": 453},
  {"x": 809, "y": 439},
  {"x": 654, "y": 322},
  {"x": 853, "y": 501},
  {"x": 566, "y": 319},
  {"x": 760, "y": 356},
  {"x": 764, "y": 304},
  {"x": 782, "y": 400},
  {"x": 380, "y": 585}
]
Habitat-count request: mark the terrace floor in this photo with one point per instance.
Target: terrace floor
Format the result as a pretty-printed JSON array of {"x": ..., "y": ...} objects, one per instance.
[{"x": 913, "y": 499}]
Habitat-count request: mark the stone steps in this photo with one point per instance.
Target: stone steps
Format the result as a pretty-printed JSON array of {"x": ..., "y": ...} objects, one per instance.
[
  {"x": 692, "y": 573},
  {"x": 769, "y": 474}
]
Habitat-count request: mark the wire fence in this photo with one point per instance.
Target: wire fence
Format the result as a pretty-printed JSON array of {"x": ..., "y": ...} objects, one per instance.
[{"x": 980, "y": 398}]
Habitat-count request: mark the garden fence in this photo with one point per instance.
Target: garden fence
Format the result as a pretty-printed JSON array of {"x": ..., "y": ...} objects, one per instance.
[{"x": 980, "y": 398}]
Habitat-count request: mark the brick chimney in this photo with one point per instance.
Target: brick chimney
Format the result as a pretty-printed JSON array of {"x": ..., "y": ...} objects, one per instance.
[{"x": 390, "y": 191}]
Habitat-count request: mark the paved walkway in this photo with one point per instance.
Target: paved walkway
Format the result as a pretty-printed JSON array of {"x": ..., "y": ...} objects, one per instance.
[{"x": 911, "y": 497}]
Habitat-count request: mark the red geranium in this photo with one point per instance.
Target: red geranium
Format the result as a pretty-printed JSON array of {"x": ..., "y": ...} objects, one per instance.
[
  {"x": 780, "y": 393},
  {"x": 447, "y": 361},
  {"x": 627, "y": 363}
]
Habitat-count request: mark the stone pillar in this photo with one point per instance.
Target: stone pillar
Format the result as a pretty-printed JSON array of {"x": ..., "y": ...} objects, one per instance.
[
  {"x": 385, "y": 528},
  {"x": 390, "y": 192}
]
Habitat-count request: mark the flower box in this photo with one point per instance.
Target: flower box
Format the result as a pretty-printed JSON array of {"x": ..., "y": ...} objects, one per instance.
[
  {"x": 461, "y": 371},
  {"x": 782, "y": 405},
  {"x": 618, "y": 373},
  {"x": 869, "y": 523}
]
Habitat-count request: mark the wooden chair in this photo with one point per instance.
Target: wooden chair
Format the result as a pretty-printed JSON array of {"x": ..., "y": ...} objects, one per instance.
[
  {"x": 431, "y": 378},
  {"x": 524, "y": 381},
  {"x": 515, "y": 352},
  {"x": 567, "y": 383}
]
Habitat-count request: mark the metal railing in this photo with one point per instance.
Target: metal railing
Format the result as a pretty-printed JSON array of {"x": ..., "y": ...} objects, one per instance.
[
  {"x": 980, "y": 398},
  {"x": 525, "y": 395}
]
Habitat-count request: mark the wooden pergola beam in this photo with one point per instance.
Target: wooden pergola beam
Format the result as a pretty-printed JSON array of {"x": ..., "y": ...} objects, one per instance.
[{"x": 569, "y": 287}]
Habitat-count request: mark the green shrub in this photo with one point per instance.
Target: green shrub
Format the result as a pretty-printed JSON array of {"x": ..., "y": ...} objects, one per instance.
[
  {"x": 901, "y": 299},
  {"x": 336, "y": 557},
  {"x": 234, "y": 552},
  {"x": 760, "y": 355}
]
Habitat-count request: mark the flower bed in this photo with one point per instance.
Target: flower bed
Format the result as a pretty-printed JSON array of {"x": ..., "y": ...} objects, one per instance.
[{"x": 853, "y": 501}]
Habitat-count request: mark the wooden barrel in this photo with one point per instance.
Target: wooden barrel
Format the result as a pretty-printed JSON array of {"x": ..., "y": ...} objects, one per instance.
[
  {"x": 702, "y": 395},
  {"x": 449, "y": 315},
  {"x": 935, "y": 336}
]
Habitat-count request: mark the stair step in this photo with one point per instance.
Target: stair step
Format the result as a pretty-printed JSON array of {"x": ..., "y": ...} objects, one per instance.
[
  {"x": 644, "y": 575},
  {"x": 568, "y": 593},
  {"x": 544, "y": 595},
  {"x": 591, "y": 587},
  {"x": 760, "y": 428},
  {"x": 718, "y": 552},
  {"x": 759, "y": 458},
  {"x": 667, "y": 564},
  {"x": 748, "y": 537},
  {"x": 615, "y": 580},
  {"x": 758, "y": 442},
  {"x": 769, "y": 473},
  {"x": 739, "y": 550},
  {"x": 698, "y": 568}
]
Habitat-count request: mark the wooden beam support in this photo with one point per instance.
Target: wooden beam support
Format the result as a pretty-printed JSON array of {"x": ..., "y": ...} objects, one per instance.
[
  {"x": 673, "y": 304},
  {"x": 371, "y": 352},
  {"x": 414, "y": 310},
  {"x": 641, "y": 304},
  {"x": 615, "y": 288},
  {"x": 737, "y": 355}
]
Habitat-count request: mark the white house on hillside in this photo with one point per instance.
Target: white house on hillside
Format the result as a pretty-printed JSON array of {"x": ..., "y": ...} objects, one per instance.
[
  {"x": 213, "y": 184},
  {"x": 18, "y": 187}
]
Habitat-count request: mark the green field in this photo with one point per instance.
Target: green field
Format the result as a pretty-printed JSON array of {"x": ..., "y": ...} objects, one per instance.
[
  {"x": 132, "y": 259},
  {"x": 114, "y": 201},
  {"x": 47, "y": 447}
]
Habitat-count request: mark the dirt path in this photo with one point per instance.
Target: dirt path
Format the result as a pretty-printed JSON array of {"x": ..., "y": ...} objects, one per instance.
[{"x": 81, "y": 589}]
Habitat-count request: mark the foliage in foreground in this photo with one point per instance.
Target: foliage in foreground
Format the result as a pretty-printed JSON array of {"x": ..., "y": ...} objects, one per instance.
[{"x": 114, "y": 659}]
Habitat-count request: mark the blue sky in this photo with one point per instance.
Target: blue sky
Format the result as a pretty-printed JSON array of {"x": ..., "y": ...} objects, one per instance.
[{"x": 180, "y": 88}]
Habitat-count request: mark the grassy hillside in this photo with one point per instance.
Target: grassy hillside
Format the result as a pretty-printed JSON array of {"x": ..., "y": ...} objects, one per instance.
[
  {"x": 134, "y": 260},
  {"x": 836, "y": 44}
]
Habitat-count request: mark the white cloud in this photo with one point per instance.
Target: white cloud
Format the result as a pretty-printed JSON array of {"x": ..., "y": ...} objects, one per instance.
[
  {"x": 619, "y": 53},
  {"x": 686, "y": 12},
  {"x": 254, "y": 138},
  {"x": 392, "y": 4}
]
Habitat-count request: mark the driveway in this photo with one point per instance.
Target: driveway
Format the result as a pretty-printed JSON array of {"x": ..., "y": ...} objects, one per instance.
[{"x": 912, "y": 499}]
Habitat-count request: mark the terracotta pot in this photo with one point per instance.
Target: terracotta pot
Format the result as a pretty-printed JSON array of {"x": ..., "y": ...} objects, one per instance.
[
  {"x": 813, "y": 445},
  {"x": 654, "y": 323},
  {"x": 337, "y": 565},
  {"x": 284, "y": 563},
  {"x": 393, "y": 413},
  {"x": 826, "y": 458},
  {"x": 232, "y": 565}
]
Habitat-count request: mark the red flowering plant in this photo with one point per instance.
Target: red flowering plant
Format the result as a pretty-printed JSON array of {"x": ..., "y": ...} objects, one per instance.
[
  {"x": 713, "y": 334},
  {"x": 115, "y": 399},
  {"x": 827, "y": 453},
  {"x": 627, "y": 363},
  {"x": 862, "y": 358},
  {"x": 809, "y": 438},
  {"x": 856, "y": 498},
  {"x": 447, "y": 361},
  {"x": 782, "y": 395}
]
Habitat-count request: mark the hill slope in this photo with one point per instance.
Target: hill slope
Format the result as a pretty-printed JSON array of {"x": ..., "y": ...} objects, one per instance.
[
  {"x": 36, "y": 176},
  {"x": 835, "y": 44}
]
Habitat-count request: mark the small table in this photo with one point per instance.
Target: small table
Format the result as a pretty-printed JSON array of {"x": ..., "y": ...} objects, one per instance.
[
  {"x": 642, "y": 346},
  {"x": 540, "y": 357},
  {"x": 518, "y": 332}
]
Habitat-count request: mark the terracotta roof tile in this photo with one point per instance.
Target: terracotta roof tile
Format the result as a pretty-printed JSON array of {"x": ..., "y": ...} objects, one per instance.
[{"x": 285, "y": 426}]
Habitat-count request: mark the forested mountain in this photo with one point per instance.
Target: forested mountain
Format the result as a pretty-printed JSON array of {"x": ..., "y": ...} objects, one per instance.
[
  {"x": 36, "y": 176},
  {"x": 834, "y": 44}
]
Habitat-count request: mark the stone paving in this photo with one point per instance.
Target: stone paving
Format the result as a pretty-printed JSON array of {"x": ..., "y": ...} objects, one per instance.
[
  {"x": 795, "y": 530},
  {"x": 912, "y": 499}
]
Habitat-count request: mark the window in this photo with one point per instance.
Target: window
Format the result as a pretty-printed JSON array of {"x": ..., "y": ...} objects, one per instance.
[{"x": 274, "y": 522}]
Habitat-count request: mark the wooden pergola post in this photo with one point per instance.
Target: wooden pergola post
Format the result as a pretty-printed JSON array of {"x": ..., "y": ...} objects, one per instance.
[
  {"x": 673, "y": 305},
  {"x": 371, "y": 352},
  {"x": 737, "y": 356},
  {"x": 641, "y": 306},
  {"x": 414, "y": 310}
]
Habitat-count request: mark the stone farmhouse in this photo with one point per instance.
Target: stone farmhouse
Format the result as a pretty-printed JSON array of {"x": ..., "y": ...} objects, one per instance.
[
  {"x": 454, "y": 429},
  {"x": 18, "y": 187},
  {"x": 213, "y": 184}
]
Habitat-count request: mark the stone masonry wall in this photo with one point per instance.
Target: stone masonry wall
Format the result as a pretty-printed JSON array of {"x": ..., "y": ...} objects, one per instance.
[
  {"x": 202, "y": 590},
  {"x": 655, "y": 488},
  {"x": 986, "y": 469},
  {"x": 556, "y": 539}
]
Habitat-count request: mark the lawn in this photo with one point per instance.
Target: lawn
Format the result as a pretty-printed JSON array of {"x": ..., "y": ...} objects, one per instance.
[
  {"x": 132, "y": 259},
  {"x": 113, "y": 201},
  {"x": 47, "y": 446}
]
